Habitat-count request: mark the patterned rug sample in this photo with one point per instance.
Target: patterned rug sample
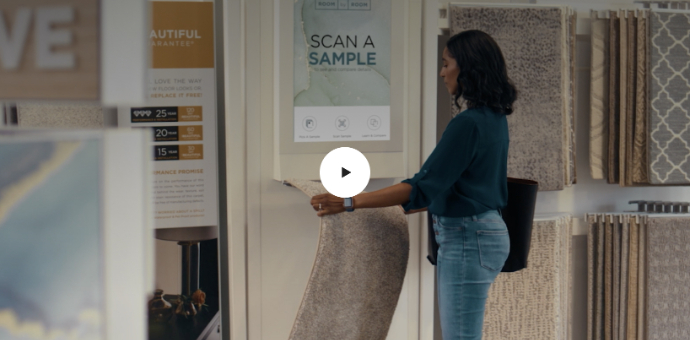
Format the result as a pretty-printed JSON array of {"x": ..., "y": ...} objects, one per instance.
[
  {"x": 88, "y": 116},
  {"x": 599, "y": 99},
  {"x": 639, "y": 170},
  {"x": 669, "y": 120},
  {"x": 534, "y": 42},
  {"x": 668, "y": 274},
  {"x": 614, "y": 98},
  {"x": 357, "y": 275},
  {"x": 534, "y": 303}
]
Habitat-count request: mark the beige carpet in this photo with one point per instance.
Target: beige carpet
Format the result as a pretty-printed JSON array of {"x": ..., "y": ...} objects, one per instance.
[
  {"x": 668, "y": 275},
  {"x": 535, "y": 303},
  {"x": 537, "y": 59},
  {"x": 357, "y": 275},
  {"x": 598, "y": 132},
  {"x": 60, "y": 115}
]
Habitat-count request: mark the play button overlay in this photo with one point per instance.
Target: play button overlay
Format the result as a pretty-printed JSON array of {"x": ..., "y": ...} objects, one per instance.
[{"x": 345, "y": 172}]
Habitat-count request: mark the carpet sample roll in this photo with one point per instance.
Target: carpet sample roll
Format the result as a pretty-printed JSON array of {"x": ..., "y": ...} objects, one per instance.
[
  {"x": 598, "y": 141},
  {"x": 668, "y": 274},
  {"x": 538, "y": 295},
  {"x": 357, "y": 275},
  {"x": 669, "y": 120},
  {"x": 639, "y": 170},
  {"x": 572, "y": 154},
  {"x": 614, "y": 97},
  {"x": 623, "y": 306},
  {"x": 608, "y": 278},
  {"x": 642, "y": 281},
  {"x": 615, "y": 303},
  {"x": 41, "y": 115},
  {"x": 534, "y": 43}
]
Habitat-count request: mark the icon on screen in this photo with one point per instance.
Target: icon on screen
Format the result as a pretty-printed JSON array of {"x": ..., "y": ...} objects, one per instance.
[
  {"x": 374, "y": 122},
  {"x": 342, "y": 123},
  {"x": 309, "y": 123}
]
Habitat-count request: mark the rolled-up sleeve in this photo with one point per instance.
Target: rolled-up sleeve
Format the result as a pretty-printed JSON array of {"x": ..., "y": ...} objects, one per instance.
[{"x": 445, "y": 165}]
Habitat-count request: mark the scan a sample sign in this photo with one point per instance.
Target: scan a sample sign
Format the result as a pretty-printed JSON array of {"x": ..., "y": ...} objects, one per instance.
[
  {"x": 181, "y": 112},
  {"x": 342, "y": 70}
]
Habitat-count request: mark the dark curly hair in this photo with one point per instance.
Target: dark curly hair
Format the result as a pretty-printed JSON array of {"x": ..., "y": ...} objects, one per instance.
[{"x": 483, "y": 79}]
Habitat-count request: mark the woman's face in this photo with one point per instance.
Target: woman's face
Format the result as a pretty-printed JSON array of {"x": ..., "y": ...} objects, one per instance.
[{"x": 450, "y": 72}]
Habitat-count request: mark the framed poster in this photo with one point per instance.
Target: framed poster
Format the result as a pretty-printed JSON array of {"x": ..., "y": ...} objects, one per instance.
[{"x": 181, "y": 113}]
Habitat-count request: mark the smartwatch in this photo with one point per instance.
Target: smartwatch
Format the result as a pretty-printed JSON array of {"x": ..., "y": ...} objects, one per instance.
[{"x": 349, "y": 204}]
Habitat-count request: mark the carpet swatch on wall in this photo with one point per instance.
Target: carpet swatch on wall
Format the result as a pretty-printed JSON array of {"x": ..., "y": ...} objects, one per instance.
[
  {"x": 615, "y": 303},
  {"x": 572, "y": 151},
  {"x": 595, "y": 277},
  {"x": 614, "y": 98},
  {"x": 639, "y": 170},
  {"x": 623, "y": 306},
  {"x": 633, "y": 262},
  {"x": 39, "y": 115},
  {"x": 631, "y": 74},
  {"x": 608, "y": 278},
  {"x": 642, "y": 281},
  {"x": 357, "y": 274},
  {"x": 668, "y": 274},
  {"x": 623, "y": 93},
  {"x": 532, "y": 41},
  {"x": 669, "y": 119},
  {"x": 533, "y": 303},
  {"x": 598, "y": 132}
]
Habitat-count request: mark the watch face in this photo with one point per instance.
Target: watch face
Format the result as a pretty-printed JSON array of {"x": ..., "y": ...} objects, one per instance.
[{"x": 348, "y": 202}]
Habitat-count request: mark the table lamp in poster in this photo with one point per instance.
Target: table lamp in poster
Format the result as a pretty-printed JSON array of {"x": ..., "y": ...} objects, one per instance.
[
  {"x": 342, "y": 70},
  {"x": 181, "y": 111}
]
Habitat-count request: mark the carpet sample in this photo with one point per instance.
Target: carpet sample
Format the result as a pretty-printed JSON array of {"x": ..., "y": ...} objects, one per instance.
[
  {"x": 572, "y": 151},
  {"x": 530, "y": 304},
  {"x": 623, "y": 93},
  {"x": 639, "y": 170},
  {"x": 669, "y": 116},
  {"x": 592, "y": 233},
  {"x": 668, "y": 274},
  {"x": 614, "y": 97},
  {"x": 599, "y": 282},
  {"x": 357, "y": 275},
  {"x": 608, "y": 279},
  {"x": 631, "y": 75},
  {"x": 599, "y": 95},
  {"x": 615, "y": 303},
  {"x": 642, "y": 281},
  {"x": 532, "y": 41},
  {"x": 623, "y": 307},
  {"x": 39, "y": 115},
  {"x": 631, "y": 319}
]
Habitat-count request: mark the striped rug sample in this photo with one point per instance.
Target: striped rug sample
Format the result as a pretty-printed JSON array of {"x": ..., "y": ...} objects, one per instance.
[
  {"x": 534, "y": 42},
  {"x": 639, "y": 169},
  {"x": 535, "y": 303},
  {"x": 614, "y": 98},
  {"x": 668, "y": 275},
  {"x": 669, "y": 119},
  {"x": 598, "y": 141},
  {"x": 357, "y": 274}
]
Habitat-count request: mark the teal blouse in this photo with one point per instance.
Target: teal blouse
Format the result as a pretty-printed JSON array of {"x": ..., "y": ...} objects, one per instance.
[{"x": 466, "y": 173}]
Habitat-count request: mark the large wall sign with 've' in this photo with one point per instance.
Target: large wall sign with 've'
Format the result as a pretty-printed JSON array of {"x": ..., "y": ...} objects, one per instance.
[{"x": 342, "y": 70}]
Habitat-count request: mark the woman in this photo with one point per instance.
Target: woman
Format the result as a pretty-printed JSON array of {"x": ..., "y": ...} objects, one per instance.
[{"x": 462, "y": 183}]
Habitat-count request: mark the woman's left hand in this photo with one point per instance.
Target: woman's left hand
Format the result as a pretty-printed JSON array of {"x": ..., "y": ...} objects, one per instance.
[{"x": 327, "y": 204}]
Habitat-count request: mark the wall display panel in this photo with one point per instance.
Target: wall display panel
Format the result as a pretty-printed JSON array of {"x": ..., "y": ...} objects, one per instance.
[
  {"x": 340, "y": 82},
  {"x": 181, "y": 112},
  {"x": 64, "y": 264}
]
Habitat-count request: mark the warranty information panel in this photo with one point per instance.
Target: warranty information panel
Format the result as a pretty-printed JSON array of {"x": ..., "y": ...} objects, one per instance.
[{"x": 181, "y": 112}]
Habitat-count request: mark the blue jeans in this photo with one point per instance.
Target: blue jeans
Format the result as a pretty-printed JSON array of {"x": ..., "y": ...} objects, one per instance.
[{"x": 472, "y": 251}]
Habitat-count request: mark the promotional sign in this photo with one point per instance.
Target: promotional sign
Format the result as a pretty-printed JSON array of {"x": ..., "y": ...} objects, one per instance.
[
  {"x": 342, "y": 64},
  {"x": 46, "y": 45},
  {"x": 181, "y": 112}
]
